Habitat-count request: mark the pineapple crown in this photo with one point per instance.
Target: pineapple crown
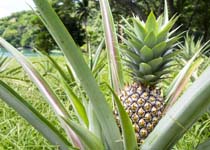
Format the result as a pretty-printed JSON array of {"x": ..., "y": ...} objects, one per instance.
[{"x": 149, "y": 47}]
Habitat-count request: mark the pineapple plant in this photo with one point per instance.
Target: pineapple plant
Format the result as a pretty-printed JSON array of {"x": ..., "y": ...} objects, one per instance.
[{"x": 148, "y": 51}]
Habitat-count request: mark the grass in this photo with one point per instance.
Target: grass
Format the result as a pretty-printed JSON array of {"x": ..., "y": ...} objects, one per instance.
[
  {"x": 198, "y": 133},
  {"x": 17, "y": 134}
]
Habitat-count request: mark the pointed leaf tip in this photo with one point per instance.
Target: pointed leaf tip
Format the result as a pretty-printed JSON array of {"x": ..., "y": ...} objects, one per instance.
[
  {"x": 139, "y": 29},
  {"x": 151, "y": 23},
  {"x": 165, "y": 12}
]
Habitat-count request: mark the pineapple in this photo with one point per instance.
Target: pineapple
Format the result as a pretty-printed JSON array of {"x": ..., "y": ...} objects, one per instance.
[{"x": 149, "y": 50}]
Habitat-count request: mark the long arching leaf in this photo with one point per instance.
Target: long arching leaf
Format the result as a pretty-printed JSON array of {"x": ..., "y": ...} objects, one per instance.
[
  {"x": 77, "y": 105},
  {"x": 15, "y": 101},
  {"x": 43, "y": 87},
  {"x": 172, "y": 93},
  {"x": 184, "y": 79},
  {"x": 87, "y": 137},
  {"x": 112, "y": 46},
  {"x": 75, "y": 59},
  {"x": 189, "y": 107}
]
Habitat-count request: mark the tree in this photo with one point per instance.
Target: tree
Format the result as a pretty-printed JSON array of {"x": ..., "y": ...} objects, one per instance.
[
  {"x": 11, "y": 35},
  {"x": 194, "y": 14},
  {"x": 24, "y": 29}
]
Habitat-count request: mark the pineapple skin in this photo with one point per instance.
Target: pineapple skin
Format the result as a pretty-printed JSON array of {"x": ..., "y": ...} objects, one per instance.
[{"x": 144, "y": 106}]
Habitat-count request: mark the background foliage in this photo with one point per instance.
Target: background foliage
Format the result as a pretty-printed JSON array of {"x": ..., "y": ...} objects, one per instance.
[{"x": 81, "y": 17}]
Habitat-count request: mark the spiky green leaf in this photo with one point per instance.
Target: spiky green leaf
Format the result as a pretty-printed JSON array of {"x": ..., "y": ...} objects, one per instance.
[
  {"x": 162, "y": 72},
  {"x": 170, "y": 42},
  {"x": 170, "y": 56},
  {"x": 159, "y": 49},
  {"x": 97, "y": 55},
  {"x": 146, "y": 53},
  {"x": 129, "y": 46},
  {"x": 160, "y": 22},
  {"x": 150, "y": 78},
  {"x": 156, "y": 63},
  {"x": 150, "y": 39},
  {"x": 132, "y": 56},
  {"x": 145, "y": 68},
  {"x": 127, "y": 23},
  {"x": 139, "y": 29},
  {"x": 136, "y": 44},
  {"x": 151, "y": 24},
  {"x": 129, "y": 32},
  {"x": 165, "y": 16},
  {"x": 164, "y": 33},
  {"x": 134, "y": 67}
]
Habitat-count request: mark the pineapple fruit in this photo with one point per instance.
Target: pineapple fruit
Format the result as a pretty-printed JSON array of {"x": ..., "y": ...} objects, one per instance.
[{"x": 148, "y": 51}]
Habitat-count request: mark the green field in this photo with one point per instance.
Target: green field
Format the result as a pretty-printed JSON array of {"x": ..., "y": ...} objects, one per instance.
[{"x": 15, "y": 132}]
